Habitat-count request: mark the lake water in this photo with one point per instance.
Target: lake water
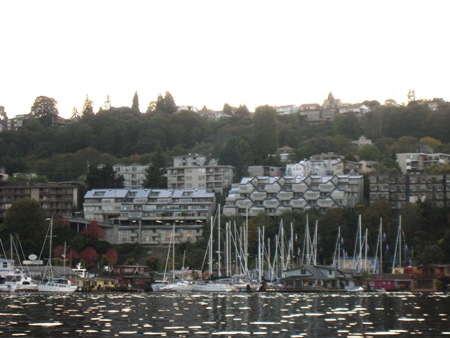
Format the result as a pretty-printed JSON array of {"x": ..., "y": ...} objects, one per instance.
[{"x": 226, "y": 315}]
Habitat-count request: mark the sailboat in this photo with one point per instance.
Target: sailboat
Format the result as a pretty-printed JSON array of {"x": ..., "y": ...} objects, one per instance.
[
  {"x": 174, "y": 286},
  {"x": 17, "y": 279},
  {"x": 210, "y": 286},
  {"x": 53, "y": 283}
]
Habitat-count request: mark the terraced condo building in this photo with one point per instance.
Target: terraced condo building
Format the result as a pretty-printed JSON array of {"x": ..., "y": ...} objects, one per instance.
[
  {"x": 151, "y": 216},
  {"x": 275, "y": 195}
]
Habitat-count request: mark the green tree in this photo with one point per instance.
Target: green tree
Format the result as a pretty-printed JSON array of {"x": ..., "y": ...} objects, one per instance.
[
  {"x": 155, "y": 177},
  {"x": 87, "y": 107},
  {"x": 227, "y": 109},
  {"x": 369, "y": 152},
  {"x": 444, "y": 243},
  {"x": 26, "y": 219},
  {"x": 371, "y": 103},
  {"x": 103, "y": 178},
  {"x": 405, "y": 144},
  {"x": 265, "y": 134},
  {"x": 431, "y": 254},
  {"x": 347, "y": 125},
  {"x": 44, "y": 108},
  {"x": 242, "y": 111},
  {"x": 135, "y": 105},
  {"x": 166, "y": 104}
]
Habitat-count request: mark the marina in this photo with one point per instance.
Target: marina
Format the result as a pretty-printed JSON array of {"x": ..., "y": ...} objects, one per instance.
[{"x": 175, "y": 314}]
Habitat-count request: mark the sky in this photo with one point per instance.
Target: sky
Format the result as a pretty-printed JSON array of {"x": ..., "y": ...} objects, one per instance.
[{"x": 208, "y": 53}]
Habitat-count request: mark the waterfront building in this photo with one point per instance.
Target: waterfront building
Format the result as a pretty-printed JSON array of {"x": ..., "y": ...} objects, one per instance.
[
  {"x": 275, "y": 195},
  {"x": 151, "y": 216},
  {"x": 191, "y": 171},
  {"x": 55, "y": 198},
  {"x": 399, "y": 190},
  {"x": 317, "y": 278}
]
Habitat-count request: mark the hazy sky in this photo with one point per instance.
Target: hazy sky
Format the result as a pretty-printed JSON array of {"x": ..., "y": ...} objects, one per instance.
[{"x": 251, "y": 52}]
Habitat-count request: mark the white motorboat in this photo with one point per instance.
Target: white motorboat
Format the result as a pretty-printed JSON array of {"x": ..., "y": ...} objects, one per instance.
[
  {"x": 57, "y": 285},
  {"x": 179, "y": 286},
  {"x": 355, "y": 289},
  {"x": 19, "y": 281},
  {"x": 212, "y": 287}
]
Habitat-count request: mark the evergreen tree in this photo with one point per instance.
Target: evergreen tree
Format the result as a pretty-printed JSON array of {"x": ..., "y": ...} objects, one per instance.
[
  {"x": 155, "y": 176},
  {"x": 103, "y": 178},
  {"x": 135, "y": 105},
  {"x": 265, "y": 133},
  {"x": 87, "y": 107},
  {"x": 166, "y": 104}
]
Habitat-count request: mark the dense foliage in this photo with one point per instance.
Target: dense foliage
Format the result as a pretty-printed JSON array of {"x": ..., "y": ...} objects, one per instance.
[{"x": 63, "y": 153}]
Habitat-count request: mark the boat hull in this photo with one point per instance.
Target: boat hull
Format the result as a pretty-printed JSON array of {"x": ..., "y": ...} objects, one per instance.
[{"x": 57, "y": 287}]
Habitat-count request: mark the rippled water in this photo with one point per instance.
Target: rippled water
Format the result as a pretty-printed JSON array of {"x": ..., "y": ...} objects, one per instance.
[{"x": 227, "y": 315}]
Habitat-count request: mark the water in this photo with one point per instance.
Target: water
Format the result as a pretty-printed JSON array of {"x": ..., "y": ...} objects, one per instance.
[{"x": 224, "y": 315}]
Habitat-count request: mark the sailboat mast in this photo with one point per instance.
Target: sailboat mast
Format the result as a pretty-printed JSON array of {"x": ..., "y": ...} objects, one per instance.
[
  {"x": 337, "y": 249},
  {"x": 218, "y": 244},
  {"x": 210, "y": 247},
  {"x": 398, "y": 245},
  {"x": 316, "y": 239},
  {"x": 379, "y": 249},
  {"x": 50, "y": 242}
]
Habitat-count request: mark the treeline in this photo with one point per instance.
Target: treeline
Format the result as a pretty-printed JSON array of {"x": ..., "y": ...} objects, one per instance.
[{"x": 63, "y": 153}]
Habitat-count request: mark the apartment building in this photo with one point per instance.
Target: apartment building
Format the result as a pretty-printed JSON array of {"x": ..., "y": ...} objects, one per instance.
[
  {"x": 189, "y": 160},
  {"x": 191, "y": 171},
  {"x": 275, "y": 195},
  {"x": 310, "y": 111},
  {"x": 55, "y": 198},
  {"x": 321, "y": 165},
  {"x": 151, "y": 216},
  {"x": 265, "y": 170},
  {"x": 134, "y": 174},
  {"x": 402, "y": 189},
  {"x": 418, "y": 162}
]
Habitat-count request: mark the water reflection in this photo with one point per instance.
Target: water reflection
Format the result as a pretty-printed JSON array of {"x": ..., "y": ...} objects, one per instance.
[{"x": 229, "y": 315}]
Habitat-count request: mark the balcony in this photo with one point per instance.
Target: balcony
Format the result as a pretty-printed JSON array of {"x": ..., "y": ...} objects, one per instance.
[
  {"x": 244, "y": 203},
  {"x": 298, "y": 203},
  {"x": 311, "y": 195},
  {"x": 325, "y": 203},
  {"x": 271, "y": 203},
  {"x": 246, "y": 188},
  {"x": 272, "y": 188},
  {"x": 258, "y": 195},
  {"x": 285, "y": 195},
  {"x": 299, "y": 187}
]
